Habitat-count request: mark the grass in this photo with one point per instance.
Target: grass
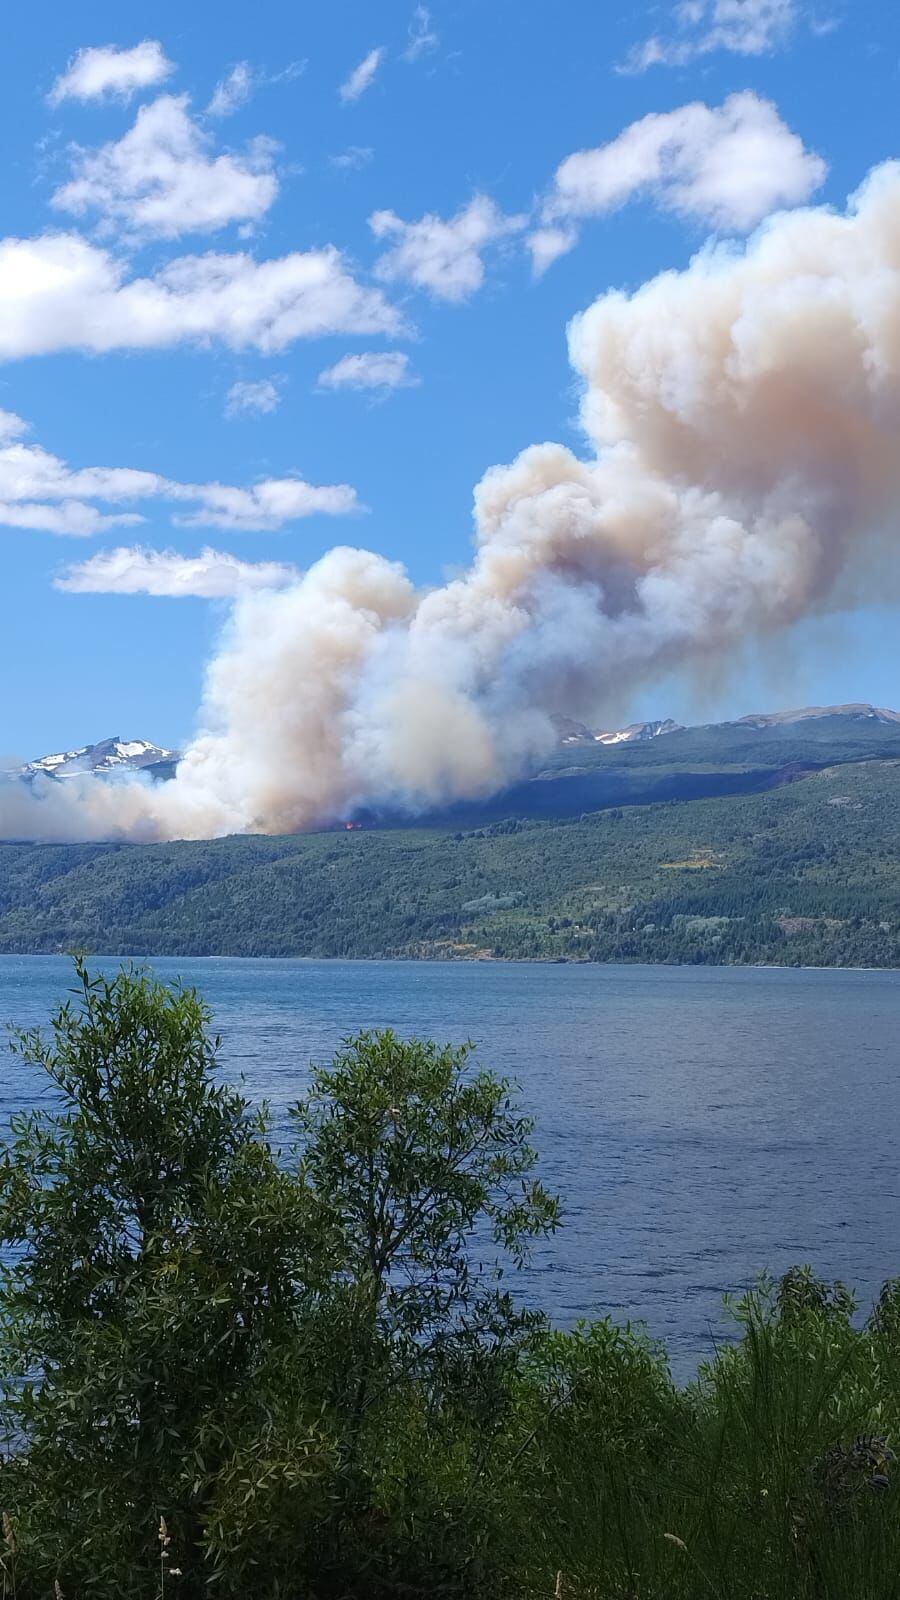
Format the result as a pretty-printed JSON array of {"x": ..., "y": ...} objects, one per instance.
[{"x": 771, "y": 1477}]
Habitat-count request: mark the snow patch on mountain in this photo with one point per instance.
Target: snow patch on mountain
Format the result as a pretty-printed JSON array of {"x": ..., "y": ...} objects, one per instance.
[
  {"x": 638, "y": 730},
  {"x": 571, "y": 732},
  {"x": 109, "y": 756}
]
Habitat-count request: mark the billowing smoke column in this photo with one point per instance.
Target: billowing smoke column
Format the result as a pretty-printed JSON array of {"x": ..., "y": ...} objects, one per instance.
[{"x": 745, "y": 419}]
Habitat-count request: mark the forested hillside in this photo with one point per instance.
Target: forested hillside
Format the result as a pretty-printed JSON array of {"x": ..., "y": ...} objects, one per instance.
[
  {"x": 723, "y": 758},
  {"x": 806, "y": 873}
]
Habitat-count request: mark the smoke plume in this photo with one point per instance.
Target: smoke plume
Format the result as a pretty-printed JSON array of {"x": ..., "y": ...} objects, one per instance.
[{"x": 742, "y": 418}]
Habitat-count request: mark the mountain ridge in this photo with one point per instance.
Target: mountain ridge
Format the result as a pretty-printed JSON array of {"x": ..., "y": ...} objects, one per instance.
[
  {"x": 653, "y": 762},
  {"x": 114, "y": 754},
  {"x": 107, "y": 756}
]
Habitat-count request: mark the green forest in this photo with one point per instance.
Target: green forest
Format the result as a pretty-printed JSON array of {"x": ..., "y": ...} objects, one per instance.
[
  {"x": 304, "y": 1372},
  {"x": 804, "y": 873}
]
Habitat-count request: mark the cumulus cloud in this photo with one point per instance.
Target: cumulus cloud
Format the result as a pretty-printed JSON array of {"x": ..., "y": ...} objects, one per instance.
[
  {"x": 422, "y": 36},
  {"x": 745, "y": 27},
  {"x": 260, "y": 397},
  {"x": 11, "y": 427},
  {"x": 105, "y": 72},
  {"x": 741, "y": 473},
  {"x": 547, "y": 244},
  {"x": 211, "y": 575},
  {"x": 162, "y": 179},
  {"x": 60, "y": 292},
  {"x": 372, "y": 369},
  {"x": 40, "y": 491},
  {"x": 726, "y": 166},
  {"x": 363, "y": 76},
  {"x": 74, "y": 518},
  {"x": 265, "y": 507},
  {"x": 442, "y": 256}
]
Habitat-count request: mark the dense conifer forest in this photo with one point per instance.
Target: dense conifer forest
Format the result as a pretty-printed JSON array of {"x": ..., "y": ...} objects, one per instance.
[{"x": 803, "y": 873}]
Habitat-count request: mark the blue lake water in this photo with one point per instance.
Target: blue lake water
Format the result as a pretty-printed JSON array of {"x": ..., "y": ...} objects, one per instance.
[{"x": 701, "y": 1124}]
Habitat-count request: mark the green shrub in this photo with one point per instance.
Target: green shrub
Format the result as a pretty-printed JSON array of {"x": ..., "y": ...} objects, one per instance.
[
  {"x": 232, "y": 1372},
  {"x": 223, "y": 1370}
]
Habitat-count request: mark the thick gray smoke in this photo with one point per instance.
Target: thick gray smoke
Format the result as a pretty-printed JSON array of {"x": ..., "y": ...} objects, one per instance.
[{"x": 744, "y": 421}]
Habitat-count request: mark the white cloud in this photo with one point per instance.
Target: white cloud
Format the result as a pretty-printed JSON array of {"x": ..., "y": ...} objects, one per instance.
[
  {"x": 59, "y": 292},
  {"x": 422, "y": 37},
  {"x": 267, "y": 506},
  {"x": 262, "y": 397},
  {"x": 69, "y": 518},
  {"x": 548, "y": 244},
  {"x": 362, "y": 77},
  {"x": 235, "y": 89},
  {"x": 444, "y": 257},
  {"x": 104, "y": 72},
  {"x": 745, "y": 27},
  {"x": 232, "y": 92},
  {"x": 727, "y": 167},
  {"x": 11, "y": 427},
  {"x": 161, "y": 179},
  {"x": 212, "y": 575},
  {"x": 372, "y": 369},
  {"x": 353, "y": 159},
  {"x": 39, "y": 490}
]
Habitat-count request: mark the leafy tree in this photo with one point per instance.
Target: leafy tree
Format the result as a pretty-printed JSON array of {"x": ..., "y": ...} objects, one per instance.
[
  {"x": 412, "y": 1157},
  {"x": 218, "y": 1370},
  {"x": 226, "y": 1373},
  {"x": 156, "y": 1253}
]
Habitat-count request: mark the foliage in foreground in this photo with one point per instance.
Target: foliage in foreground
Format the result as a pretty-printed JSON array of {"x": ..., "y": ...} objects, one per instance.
[{"x": 231, "y": 1370}]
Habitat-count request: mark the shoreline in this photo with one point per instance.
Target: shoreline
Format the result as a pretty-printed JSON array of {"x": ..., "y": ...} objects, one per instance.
[{"x": 439, "y": 961}]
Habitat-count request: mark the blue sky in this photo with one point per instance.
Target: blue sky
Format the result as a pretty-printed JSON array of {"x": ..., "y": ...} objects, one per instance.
[{"x": 467, "y": 98}]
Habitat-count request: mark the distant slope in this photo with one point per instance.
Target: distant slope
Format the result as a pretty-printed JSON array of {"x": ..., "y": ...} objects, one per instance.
[
  {"x": 726, "y": 758},
  {"x": 641, "y": 764},
  {"x": 806, "y": 872},
  {"x": 814, "y": 736}
]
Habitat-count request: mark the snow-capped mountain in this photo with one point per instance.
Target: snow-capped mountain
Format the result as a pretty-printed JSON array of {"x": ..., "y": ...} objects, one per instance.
[
  {"x": 577, "y": 733},
  {"x": 108, "y": 757},
  {"x": 638, "y": 730},
  {"x": 116, "y": 755},
  {"x": 571, "y": 732}
]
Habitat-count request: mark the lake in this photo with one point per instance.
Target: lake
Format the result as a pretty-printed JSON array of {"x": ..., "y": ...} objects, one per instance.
[{"x": 701, "y": 1124}]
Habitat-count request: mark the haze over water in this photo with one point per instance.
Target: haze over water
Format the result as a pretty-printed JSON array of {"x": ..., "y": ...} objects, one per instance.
[{"x": 701, "y": 1124}]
